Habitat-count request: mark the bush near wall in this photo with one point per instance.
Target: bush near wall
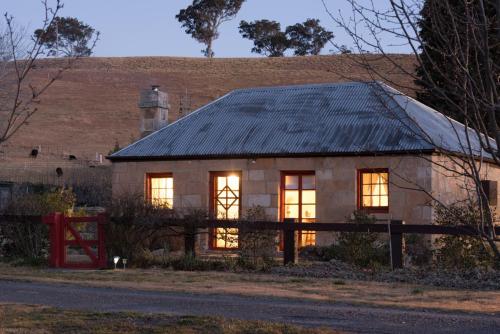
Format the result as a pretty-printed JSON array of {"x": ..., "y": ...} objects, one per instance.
[
  {"x": 257, "y": 249},
  {"x": 461, "y": 252},
  {"x": 137, "y": 229},
  {"x": 363, "y": 249},
  {"x": 25, "y": 240}
]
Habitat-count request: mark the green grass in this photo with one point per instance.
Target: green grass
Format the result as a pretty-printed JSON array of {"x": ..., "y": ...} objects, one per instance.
[{"x": 37, "y": 319}]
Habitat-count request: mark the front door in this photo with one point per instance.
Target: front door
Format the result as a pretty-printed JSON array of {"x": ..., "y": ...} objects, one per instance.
[
  {"x": 225, "y": 204},
  {"x": 298, "y": 200}
]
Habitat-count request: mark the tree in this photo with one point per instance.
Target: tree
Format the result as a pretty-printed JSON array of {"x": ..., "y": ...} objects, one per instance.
[
  {"x": 438, "y": 63},
  {"x": 67, "y": 35},
  {"x": 203, "y": 18},
  {"x": 20, "y": 93},
  {"x": 308, "y": 38},
  {"x": 462, "y": 34},
  {"x": 267, "y": 37}
]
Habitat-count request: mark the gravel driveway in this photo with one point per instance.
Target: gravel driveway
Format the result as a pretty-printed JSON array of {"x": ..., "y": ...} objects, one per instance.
[{"x": 360, "y": 319}]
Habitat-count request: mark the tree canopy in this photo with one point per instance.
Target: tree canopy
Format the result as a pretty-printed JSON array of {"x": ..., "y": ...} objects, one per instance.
[
  {"x": 67, "y": 36},
  {"x": 439, "y": 70},
  {"x": 308, "y": 38},
  {"x": 203, "y": 18},
  {"x": 267, "y": 37}
]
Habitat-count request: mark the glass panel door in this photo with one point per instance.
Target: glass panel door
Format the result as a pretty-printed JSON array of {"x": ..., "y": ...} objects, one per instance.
[
  {"x": 226, "y": 205},
  {"x": 299, "y": 202}
]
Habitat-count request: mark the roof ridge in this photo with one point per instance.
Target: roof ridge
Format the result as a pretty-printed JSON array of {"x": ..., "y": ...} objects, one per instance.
[{"x": 301, "y": 86}]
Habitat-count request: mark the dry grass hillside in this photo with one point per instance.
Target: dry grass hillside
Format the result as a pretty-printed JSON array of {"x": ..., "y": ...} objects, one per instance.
[{"x": 95, "y": 103}]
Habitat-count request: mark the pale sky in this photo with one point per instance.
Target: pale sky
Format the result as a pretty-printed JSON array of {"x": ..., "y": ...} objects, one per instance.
[{"x": 149, "y": 27}]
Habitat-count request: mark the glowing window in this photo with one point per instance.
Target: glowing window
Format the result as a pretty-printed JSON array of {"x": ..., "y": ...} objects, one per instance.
[
  {"x": 374, "y": 189},
  {"x": 226, "y": 205},
  {"x": 161, "y": 190},
  {"x": 299, "y": 201}
]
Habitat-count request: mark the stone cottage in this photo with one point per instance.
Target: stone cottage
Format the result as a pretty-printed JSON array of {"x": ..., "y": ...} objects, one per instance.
[{"x": 311, "y": 152}]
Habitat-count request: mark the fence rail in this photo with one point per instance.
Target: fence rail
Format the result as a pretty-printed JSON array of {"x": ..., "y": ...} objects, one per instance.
[{"x": 395, "y": 228}]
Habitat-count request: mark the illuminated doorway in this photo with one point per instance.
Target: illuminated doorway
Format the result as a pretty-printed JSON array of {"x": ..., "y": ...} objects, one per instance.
[
  {"x": 298, "y": 200},
  {"x": 225, "y": 204}
]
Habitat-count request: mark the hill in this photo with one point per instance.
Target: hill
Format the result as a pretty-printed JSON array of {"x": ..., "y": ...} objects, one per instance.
[{"x": 94, "y": 105}]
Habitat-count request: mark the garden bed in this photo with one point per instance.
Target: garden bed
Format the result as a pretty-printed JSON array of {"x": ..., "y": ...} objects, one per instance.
[{"x": 475, "y": 279}]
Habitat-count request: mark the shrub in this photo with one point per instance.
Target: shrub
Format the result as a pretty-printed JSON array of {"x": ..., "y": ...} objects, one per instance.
[
  {"x": 136, "y": 229},
  {"x": 417, "y": 249},
  {"x": 361, "y": 249},
  {"x": 461, "y": 252},
  {"x": 29, "y": 240},
  {"x": 358, "y": 248},
  {"x": 257, "y": 248}
]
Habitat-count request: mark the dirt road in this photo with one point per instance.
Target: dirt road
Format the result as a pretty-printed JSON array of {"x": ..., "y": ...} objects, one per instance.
[{"x": 341, "y": 316}]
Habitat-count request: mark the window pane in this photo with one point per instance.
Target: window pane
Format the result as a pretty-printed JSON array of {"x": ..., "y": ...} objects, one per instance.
[
  {"x": 169, "y": 203},
  {"x": 291, "y": 182},
  {"x": 309, "y": 197},
  {"x": 161, "y": 191},
  {"x": 384, "y": 177},
  {"x": 375, "y": 189},
  {"x": 291, "y": 211},
  {"x": 309, "y": 211},
  {"x": 366, "y": 177},
  {"x": 221, "y": 212},
  {"x": 367, "y": 190},
  {"x": 170, "y": 193},
  {"x": 155, "y": 193},
  {"x": 233, "y": 182},
  {"x": 384, "y": 189},
  {"x": 155, "y": 182},
  {"x": 308, "y": 182},
  {"x": 291, "y": 197},
  {"x": 307, "y": 238},
  {"x": 233, "y": 212},
  {"x": 221, "y": 182}
]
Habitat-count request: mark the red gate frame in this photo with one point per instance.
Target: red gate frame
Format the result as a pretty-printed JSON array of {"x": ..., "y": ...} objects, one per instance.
[{"x": 59, "y": 224}]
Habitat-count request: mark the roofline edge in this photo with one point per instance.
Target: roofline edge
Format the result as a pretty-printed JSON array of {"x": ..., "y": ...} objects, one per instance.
[{"x": 273, "y": 155}]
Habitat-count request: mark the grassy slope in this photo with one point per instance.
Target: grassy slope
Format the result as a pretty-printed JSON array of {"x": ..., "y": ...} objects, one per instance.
[{"x": 95, "y": 104}]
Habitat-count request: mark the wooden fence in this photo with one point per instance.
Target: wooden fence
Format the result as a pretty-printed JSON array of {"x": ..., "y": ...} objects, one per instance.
[{"x": 394, "y": 228}]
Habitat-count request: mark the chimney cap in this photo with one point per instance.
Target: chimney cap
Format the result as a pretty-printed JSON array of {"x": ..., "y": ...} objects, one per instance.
[{"x": 155, "y": 88}]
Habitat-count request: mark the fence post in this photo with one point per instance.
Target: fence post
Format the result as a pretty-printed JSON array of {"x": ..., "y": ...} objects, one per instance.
[
  {"x": 396, "y": 245},
  {"x": 102, "y": 219},
  {"x": 54, "y": 220},
  {"x": 290, "y": 250},
  {"x": 189, "y": 240}
]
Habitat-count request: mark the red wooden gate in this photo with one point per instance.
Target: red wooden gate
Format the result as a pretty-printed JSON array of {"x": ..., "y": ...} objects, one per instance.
[{"x": 76, "y": 242}]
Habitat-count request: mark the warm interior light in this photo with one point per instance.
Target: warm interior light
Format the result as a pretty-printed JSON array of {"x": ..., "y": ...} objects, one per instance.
[
  {"x": 227, "y": 204},
  {"x": 375, "y": 189},
  {"x": 162, "y": 191}
]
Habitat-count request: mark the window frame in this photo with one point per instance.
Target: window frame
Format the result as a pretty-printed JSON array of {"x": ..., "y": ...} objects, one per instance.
[
  {"x": 372, "y": 209},
  {"x": 299, "y": 173},
  {"x": 148, "y": 190},
  {"x": 212, "y": 241}
]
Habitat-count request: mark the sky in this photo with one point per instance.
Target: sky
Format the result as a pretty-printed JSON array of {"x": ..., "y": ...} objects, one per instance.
[{"x": 149, "y": 27}]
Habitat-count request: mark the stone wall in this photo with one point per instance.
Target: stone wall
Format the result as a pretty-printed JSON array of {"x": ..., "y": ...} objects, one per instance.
[{"x": 336, "y": 179}]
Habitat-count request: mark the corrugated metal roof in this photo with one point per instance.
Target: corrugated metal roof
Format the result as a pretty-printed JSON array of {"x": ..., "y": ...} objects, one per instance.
[{"x": 323, "y": 119}]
